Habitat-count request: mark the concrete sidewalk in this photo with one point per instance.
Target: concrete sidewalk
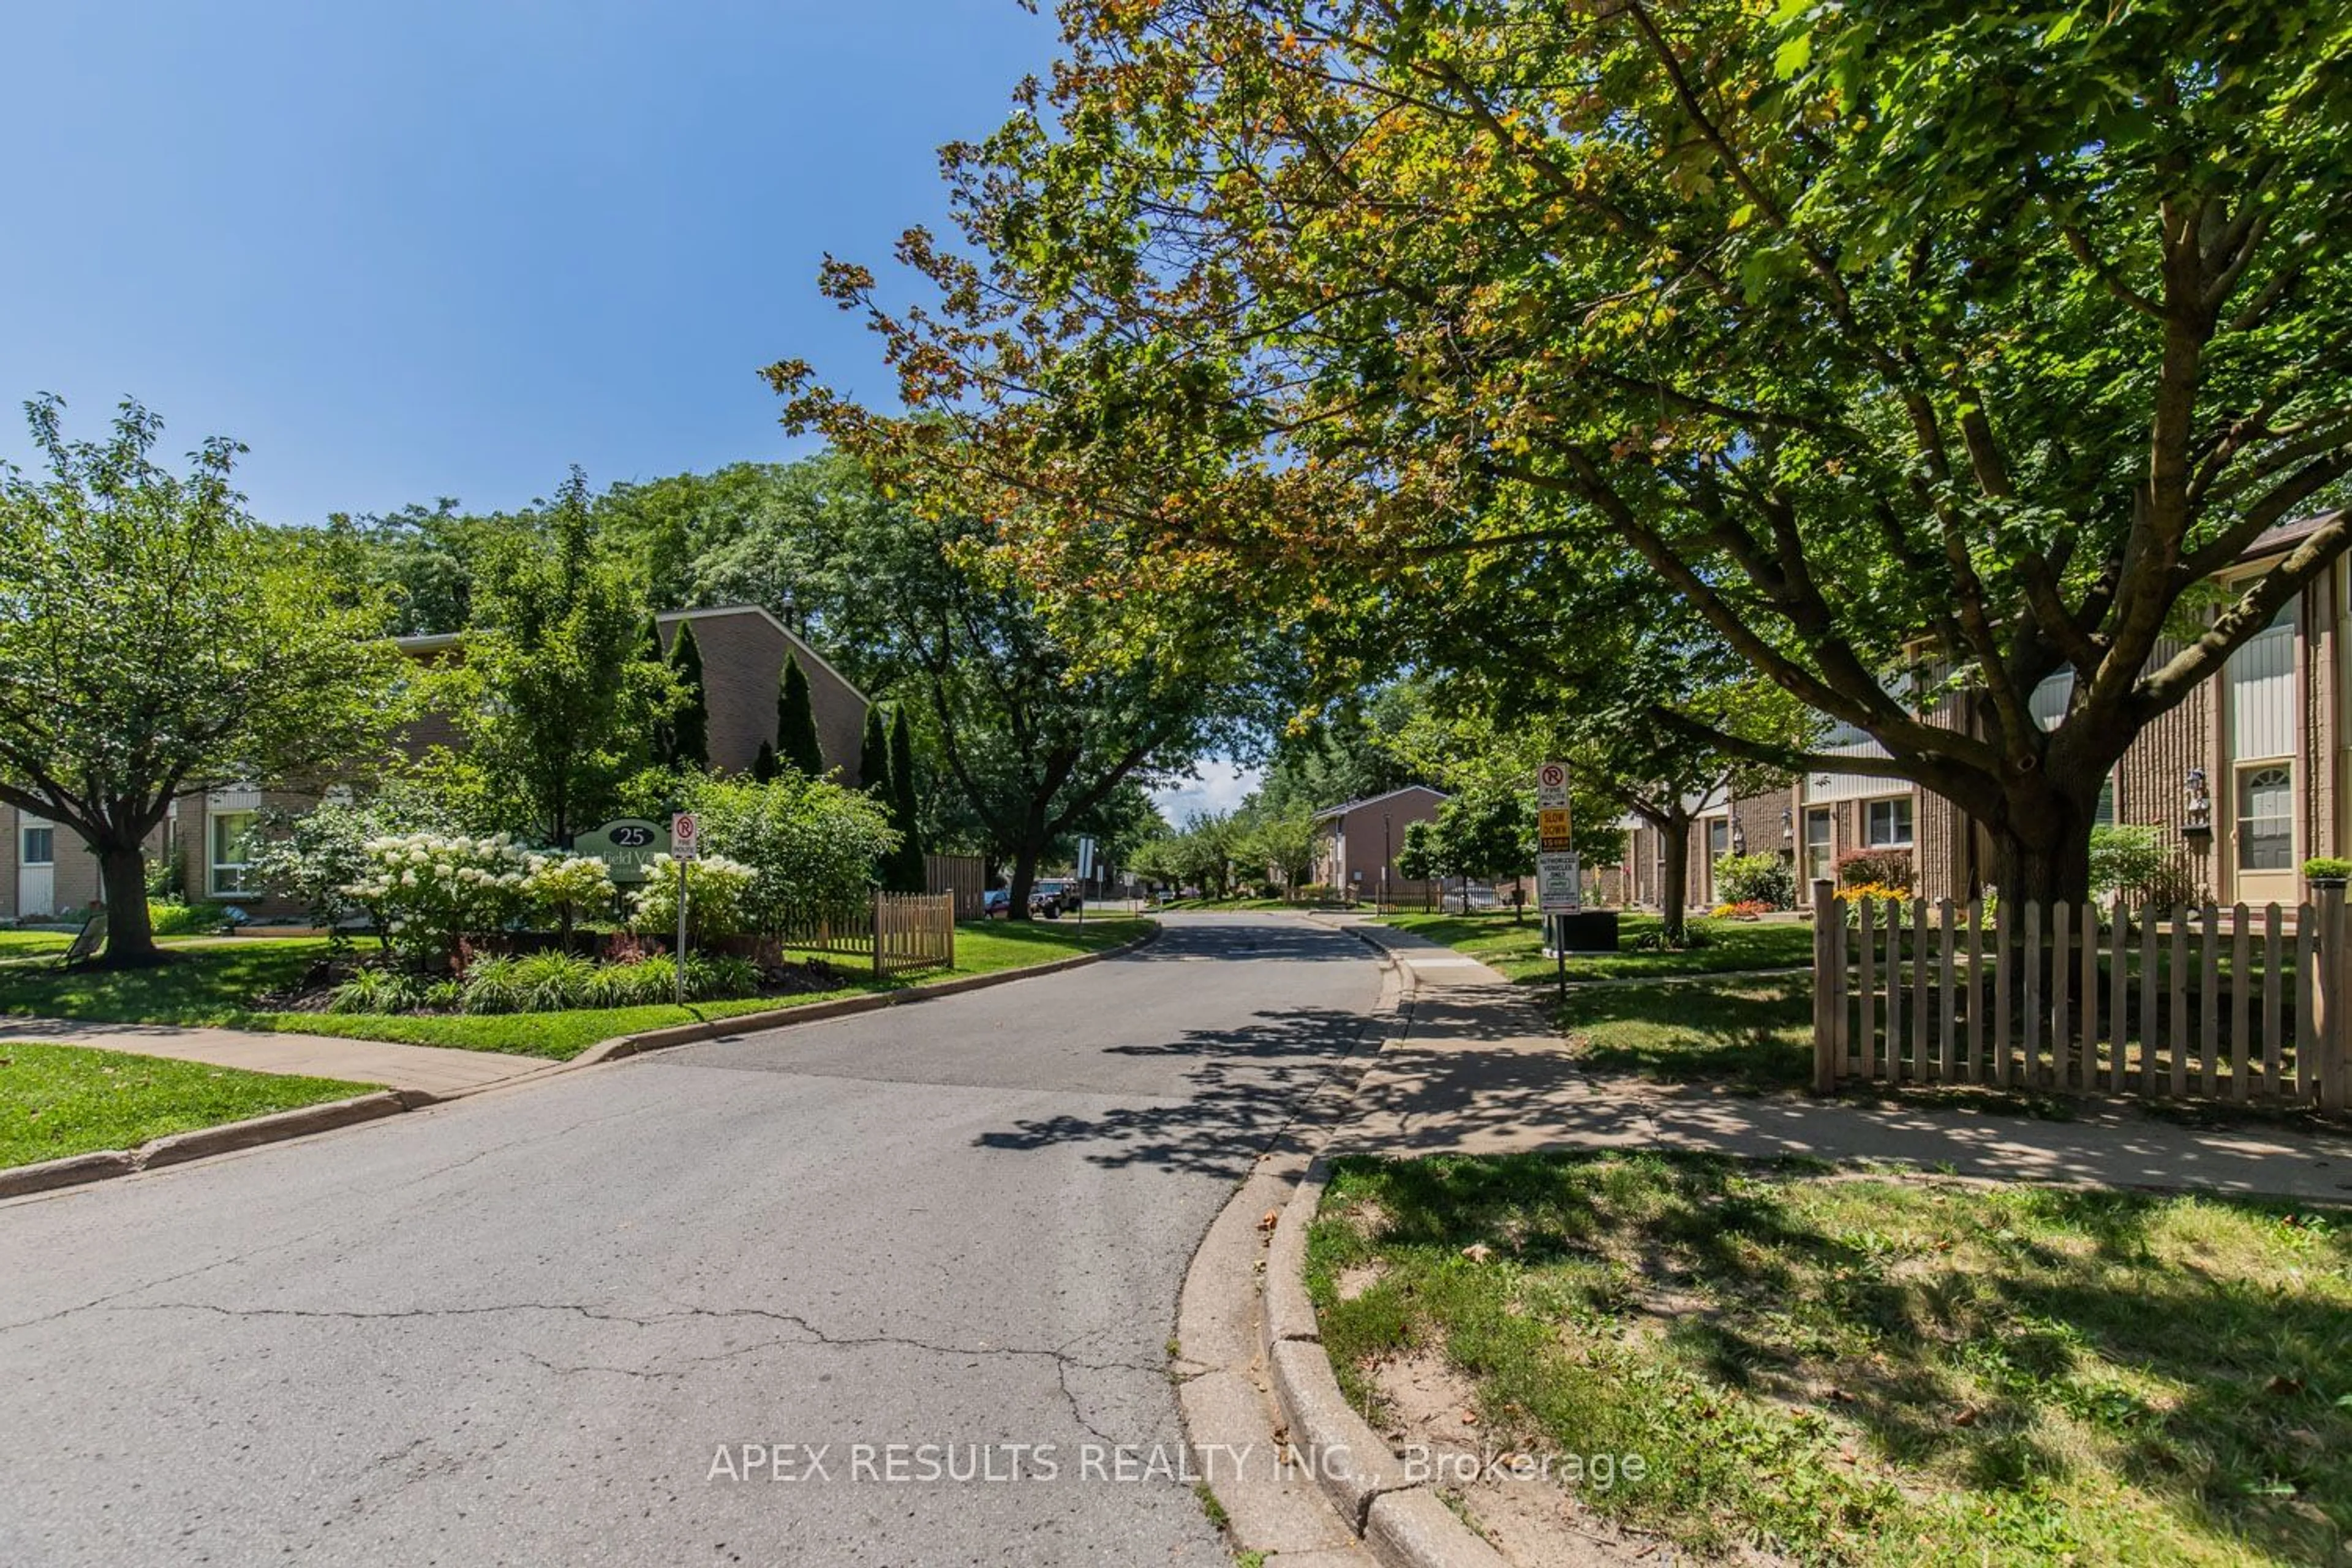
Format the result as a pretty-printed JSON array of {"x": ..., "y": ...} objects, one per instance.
[
  {"x": 1479, "y": 1069},
  {"x": 433, "y": 1069}
]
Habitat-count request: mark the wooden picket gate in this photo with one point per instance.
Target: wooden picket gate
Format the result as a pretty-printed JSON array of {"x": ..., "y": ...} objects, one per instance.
[
  {"x": 913, "y": 931},
  {"x": 2201, "y": 1001},
  {"x": 895, "y": 931}
]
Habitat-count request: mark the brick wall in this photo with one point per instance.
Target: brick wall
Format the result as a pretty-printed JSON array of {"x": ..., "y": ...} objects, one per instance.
[{"x": 743, "y": 651}]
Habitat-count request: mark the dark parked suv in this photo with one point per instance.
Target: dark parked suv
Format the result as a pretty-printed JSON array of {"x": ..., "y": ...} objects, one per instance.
[{"x": 1054, "y": 898}]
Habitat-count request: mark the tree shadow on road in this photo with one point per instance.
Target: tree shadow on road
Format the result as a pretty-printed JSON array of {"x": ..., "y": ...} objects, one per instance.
[{"x": 1248, "y": 1082}]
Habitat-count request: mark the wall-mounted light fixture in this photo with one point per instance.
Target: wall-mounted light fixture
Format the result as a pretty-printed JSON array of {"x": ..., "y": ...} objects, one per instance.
[{"x": 2199, "y": 823}]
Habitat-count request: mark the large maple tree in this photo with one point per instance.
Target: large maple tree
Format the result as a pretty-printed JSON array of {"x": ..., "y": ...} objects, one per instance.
[{"x": 1925, "y": 349}]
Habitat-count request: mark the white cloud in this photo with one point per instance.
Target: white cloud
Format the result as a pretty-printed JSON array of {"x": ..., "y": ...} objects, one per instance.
[{"x": 1220, "y": 787}]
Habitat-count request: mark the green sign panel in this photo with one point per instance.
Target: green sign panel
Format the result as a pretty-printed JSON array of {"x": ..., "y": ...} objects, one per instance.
[{"x": 629, "y": 847}]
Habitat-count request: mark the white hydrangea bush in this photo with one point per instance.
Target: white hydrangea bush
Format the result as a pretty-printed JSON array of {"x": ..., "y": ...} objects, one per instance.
[
  {"x": 569, "y": 888},
  {"x": 430, "y": 890}
]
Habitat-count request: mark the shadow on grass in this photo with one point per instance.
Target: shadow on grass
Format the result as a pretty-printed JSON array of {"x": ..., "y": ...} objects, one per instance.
[
  {"x": 1895, "y": 1370},
  {"x": 1750, "y": 1034}
]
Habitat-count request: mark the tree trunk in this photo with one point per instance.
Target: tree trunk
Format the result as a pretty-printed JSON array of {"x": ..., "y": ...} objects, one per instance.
[
  {"x": 122, "y": 884},
  {"x": 2042, "y": 840},
  {"x": 1673, "y": 838},
  {"x": 1025, "y": 876}
]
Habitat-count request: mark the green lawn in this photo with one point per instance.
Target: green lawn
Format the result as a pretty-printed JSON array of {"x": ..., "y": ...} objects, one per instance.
[
  {"x": 1515, "y": 948},
  {"x": 69, "y": 1099},
  {"x": 1834, "y": 1369},
  {"x": 1753, "y": 1032},
  {"x": 217, "y": 984},
  {"x": 27, "y": 943}
]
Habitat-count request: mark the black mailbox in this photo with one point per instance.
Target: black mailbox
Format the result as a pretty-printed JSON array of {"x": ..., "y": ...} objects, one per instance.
[{"x": 1590, "y": 930}]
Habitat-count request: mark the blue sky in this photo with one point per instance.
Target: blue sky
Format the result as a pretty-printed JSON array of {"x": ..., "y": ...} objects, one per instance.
[
  {"x": 423, "y": 248},
  {"x": 420, "y": 248}
]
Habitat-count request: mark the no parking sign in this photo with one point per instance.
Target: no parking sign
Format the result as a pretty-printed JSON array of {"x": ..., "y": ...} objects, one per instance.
[{"x": 686, "y": 836}]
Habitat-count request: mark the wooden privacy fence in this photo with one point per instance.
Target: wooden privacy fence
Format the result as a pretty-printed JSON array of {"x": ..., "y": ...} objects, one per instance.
[
  {"x": 895, "y": 931},
  {"x": 2205, "y": 1001}
]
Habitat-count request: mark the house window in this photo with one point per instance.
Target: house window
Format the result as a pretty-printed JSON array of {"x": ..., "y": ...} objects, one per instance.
[
  {"x": 2265, "y": 819},
  {"x": 1886, "y": 824},
  {"x": 2103, "y": 814},
  {"x": 232, "y": 852},
  {"x": 1719, "y": 839},
  {"x": 40, "y": 846}
]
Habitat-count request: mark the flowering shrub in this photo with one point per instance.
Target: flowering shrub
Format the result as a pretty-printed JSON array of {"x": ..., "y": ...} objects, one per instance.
[
  {"x": 568, "y": 887},
  {"x": 1890, "y": 901},
  {"x": 718, "y": 899},
  {"x": 316, "y": 857},
  {"x": 1765, "y": 881},
  {"x": 1744, "y": 910},
  {"x": 1884, "y": 867},
  {"x": 429, "y": 889},
  {"x": 811, "y": 845}
]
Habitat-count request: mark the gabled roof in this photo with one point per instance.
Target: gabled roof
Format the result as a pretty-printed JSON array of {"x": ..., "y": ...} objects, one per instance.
[
  {"x": 1346, "y": 806},
  {"x": 800, "y": 643},
  {"x": 2281, "y": 537}
]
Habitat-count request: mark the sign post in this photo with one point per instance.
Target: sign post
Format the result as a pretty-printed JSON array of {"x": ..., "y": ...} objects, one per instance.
[
  {"x": 1086, "y": 874},
  {"x": 684, "y": 844},
  {"x": 1559, "y": 878}
]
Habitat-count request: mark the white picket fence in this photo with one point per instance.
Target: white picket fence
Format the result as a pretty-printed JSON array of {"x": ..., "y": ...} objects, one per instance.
[{"x": 2194, "y": 1002}]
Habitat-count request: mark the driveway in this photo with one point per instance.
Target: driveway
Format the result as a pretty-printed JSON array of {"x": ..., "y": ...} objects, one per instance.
[{"x": 542, "y": 1325}]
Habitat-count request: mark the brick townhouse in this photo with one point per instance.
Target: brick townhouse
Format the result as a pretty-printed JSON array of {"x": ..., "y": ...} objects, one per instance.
[
  {"x": 2244, "y": 779},
  {"x": 45, "y": 873},
  {"x": 1358, "y": 841}
]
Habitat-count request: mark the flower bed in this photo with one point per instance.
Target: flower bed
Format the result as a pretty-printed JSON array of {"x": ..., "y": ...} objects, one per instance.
[{"x": 546, "y": 981}]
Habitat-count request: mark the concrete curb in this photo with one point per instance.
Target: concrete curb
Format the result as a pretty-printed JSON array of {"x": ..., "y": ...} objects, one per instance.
[
  {"x": 178, "y": 1148},
  {"x": 1369, "y": 1495},
  {"x": 1224, "y": 1387},
  {"x": 817, "y": 1012},
  {"x": 1402, "y": 1519}
]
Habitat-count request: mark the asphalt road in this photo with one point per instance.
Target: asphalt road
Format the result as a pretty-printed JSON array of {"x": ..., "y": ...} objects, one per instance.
[{"x": 526, "y": 1328}]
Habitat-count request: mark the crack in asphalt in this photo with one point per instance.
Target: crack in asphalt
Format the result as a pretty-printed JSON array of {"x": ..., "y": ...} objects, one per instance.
[
  {"x": 809, "y": 1335},
  {"x": 265, "y": 1249}
]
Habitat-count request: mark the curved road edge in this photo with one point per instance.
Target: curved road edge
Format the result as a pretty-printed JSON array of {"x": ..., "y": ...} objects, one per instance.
[
  {"x": 309, "y": 1121},
  {"x": 1252, "y": 1371}
]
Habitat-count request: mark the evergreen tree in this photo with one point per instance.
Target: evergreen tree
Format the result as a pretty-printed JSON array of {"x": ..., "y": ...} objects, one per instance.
[
  {"x": 796, "y": 742},
  {"x": 764, "y": 767},
  {"x": 874, "y": 757},
  {"x": 660, "y": 735},
  {"x": 691, "y": 728},
  {"x": 905, "y": 872}
]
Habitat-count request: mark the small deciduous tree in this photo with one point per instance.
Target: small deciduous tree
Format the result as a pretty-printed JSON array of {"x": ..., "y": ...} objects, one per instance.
[
  {"x": 559, "y": 684},
  {"x": 155, "y": 642},
  {"x": 1486, "y": 833},
  {"x": 1421, "y": 858}
]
